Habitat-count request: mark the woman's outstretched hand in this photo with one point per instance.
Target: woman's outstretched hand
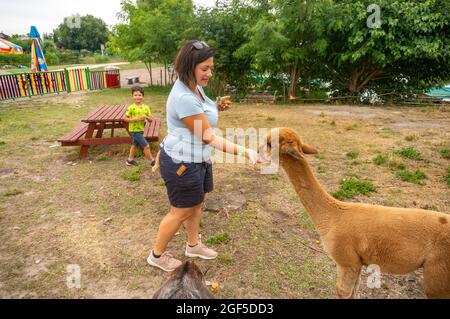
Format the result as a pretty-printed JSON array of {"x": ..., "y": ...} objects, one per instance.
[
  {"x": 224, "y": 103},
  {"x": 253, "y": 156}
]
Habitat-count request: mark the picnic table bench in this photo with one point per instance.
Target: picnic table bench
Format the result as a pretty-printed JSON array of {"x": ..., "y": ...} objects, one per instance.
[
  {"x": 133, "y": 79},
  {"x": 106, "y": 117}
]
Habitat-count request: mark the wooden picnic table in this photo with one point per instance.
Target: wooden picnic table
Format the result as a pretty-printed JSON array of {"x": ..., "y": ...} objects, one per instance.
[{"x": 106, "y": 117}]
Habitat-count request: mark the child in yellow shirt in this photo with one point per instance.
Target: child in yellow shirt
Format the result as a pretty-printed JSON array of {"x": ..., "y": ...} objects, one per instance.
[{"x": 136, "y": 116}]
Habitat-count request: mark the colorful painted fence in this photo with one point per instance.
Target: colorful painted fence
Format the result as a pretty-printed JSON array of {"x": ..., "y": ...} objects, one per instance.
[{"x": 16, "y": 86}]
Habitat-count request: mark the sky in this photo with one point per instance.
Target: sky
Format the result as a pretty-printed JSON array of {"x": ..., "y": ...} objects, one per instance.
[{"x": 17, "y": 16}]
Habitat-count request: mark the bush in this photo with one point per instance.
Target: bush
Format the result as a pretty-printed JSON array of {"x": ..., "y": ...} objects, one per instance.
[
  {"x": 19, "y": 59},
  {"x": 69, "y": 57}
]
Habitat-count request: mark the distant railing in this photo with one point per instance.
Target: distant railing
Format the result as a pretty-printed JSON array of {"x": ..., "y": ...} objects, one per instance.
[{"x": 15, "y": 86}]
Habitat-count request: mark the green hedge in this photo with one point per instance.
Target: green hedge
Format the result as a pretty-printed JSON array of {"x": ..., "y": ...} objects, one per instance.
[{"x": 19, "y": 59}]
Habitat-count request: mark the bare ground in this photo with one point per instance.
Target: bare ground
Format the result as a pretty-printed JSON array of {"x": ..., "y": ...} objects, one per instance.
[{"x": 56, "y": 211}]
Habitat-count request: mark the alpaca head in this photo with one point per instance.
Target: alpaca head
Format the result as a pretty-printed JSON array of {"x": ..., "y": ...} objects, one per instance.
[{"x": 290, "y": 144}]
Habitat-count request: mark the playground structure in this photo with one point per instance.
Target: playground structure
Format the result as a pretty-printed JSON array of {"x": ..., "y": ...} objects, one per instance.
[
  {"x": 7, "y": 47},
  {"x": 23, "y": 85}
]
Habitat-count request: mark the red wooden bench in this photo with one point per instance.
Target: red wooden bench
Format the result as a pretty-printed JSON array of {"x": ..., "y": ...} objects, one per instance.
[{"x": 105, "y": 117}]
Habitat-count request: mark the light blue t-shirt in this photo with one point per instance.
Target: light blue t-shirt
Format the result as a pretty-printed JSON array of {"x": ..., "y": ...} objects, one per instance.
[{"x": 181, "y": 144}]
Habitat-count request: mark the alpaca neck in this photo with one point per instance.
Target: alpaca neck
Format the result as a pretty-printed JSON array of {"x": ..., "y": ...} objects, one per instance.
[{"x": 321, "y": 207}]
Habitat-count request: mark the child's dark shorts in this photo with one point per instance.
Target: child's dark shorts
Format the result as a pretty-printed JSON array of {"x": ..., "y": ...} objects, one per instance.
[
  {"x": 186, "y": 183},
  {"x": 139, "y": 139}
]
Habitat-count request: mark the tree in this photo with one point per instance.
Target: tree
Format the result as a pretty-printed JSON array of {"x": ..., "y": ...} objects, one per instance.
[
  {"x": 225, "y": 29},
  {"x": 89, "y": 34},
  {"x": 288, "y": 39},
  {"x": 151, "y": 30},
  {"x": 408, "y": 51}
]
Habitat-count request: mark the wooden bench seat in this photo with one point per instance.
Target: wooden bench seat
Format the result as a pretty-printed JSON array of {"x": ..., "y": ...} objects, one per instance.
[{"x": 71, "y": 139}]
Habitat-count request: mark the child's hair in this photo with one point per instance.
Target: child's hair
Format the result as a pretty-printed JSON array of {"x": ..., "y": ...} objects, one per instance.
[{"x": 137, "y": 89}]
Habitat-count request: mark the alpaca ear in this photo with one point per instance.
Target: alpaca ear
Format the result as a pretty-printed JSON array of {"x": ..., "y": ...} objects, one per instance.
[
  {"x": 292, "y": 150},
  {"x": 309, "y": 149}
]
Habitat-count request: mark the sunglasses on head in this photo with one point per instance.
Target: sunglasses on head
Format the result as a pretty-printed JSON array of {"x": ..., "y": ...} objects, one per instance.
[{"x": 199, "y": 45}]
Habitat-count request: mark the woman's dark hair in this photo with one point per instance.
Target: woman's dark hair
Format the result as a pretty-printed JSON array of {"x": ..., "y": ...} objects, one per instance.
[
  {"x": 190, "y": 55},
  {"x": 137, "y": 89}
]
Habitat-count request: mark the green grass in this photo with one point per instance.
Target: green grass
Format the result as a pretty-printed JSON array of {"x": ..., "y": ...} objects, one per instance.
[
  {"x": 102, "y": 158},
  {"x": 353, "y": 154},
  {"x": 349, "y": 188},
  {"x": 416, "y": 177},
  {"x": 218, "y": 239},
  {"x": 409, "y": 152},
  {"x": 322, "y": 169},
  {"x": 445, "y": 153},
  {"x": 132, "y": 175},
  {"x": 2, "y": 143},
  {"x": 380, "y": 160}
]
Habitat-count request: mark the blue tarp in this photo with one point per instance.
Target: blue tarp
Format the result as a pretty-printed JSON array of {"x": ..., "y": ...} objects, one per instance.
[{"x": 440, "y": 92}]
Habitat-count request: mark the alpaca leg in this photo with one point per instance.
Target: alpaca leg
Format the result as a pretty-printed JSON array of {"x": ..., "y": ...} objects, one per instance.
[
  {"x": 436, "y": 278},
  {"x": 355, "y": 294},
  {"x": 347, "y": 281}
]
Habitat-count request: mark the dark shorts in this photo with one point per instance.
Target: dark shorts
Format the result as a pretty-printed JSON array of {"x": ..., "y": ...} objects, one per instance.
[
  {"x": 186, "y": 183},
  {"x": 139, "y": 139}
]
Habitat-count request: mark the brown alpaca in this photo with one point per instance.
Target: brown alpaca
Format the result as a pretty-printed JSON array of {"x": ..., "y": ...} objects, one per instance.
[{"x": 398, "y": 240}]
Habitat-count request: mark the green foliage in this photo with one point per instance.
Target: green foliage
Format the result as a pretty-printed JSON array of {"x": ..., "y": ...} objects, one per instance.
[
  {"x": 380, "y": 160},
  {"x": 416, "y": 177},
  {"x": 288, "y": 40},
  {"x": 409, "y": 152},
  {"x": 445, "y": 153},
  {"x": 69, "y": 57},
  {"x": 153, "y": 32},
  {"x": 101, "y": 59},
  {"x": 225, "y": 29},
  {"x": 349, "y": 188},
  {"x": 218, "y": 239},
  {"x": 353, "y": 154},
  {"x": 15, "y": 60},
  {"x": 132, "y": 175},
  {"x": 322, "y": 169},
  {"x": 89, "y": 36},
  {"x": 408, "y": 52}
]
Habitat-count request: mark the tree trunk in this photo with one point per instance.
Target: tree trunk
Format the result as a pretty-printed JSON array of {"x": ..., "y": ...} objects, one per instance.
[
  {"x": 362, "y": 76},
  {"x": 294, "y": 75},
  {"x": 165, "y": 73},
  {"x": 148, "y": 66}
]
